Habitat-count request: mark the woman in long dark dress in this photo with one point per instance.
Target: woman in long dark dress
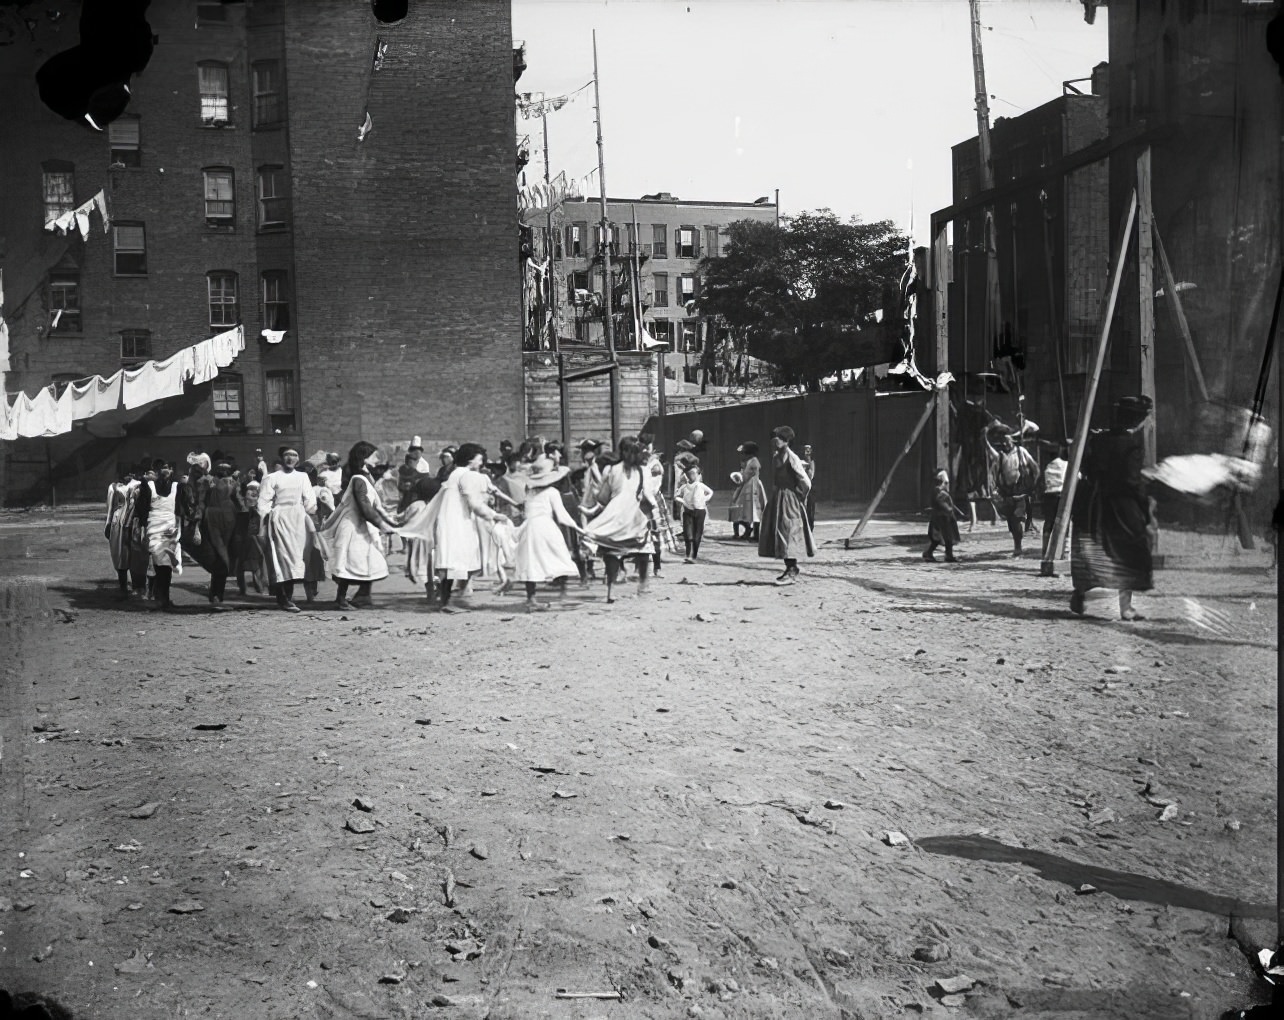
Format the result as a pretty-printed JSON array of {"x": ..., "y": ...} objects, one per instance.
[
  {"x": 785, "y": 532},
  {"x": 1113, "y": 523}
]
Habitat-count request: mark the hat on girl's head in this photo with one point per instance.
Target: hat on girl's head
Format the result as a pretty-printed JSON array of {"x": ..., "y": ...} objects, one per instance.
[
  {"x": 783, "y": 432},
  {"x": 748, "y": 449},
  {"x": 590, "y": 444},
  {"x": 332, "y": 459},
  {"x": 542, "y": 473},
  {"x": 199, "y": 459},
  {"x": 415, "y": 444},
  {"x": 685, "y": 444}
]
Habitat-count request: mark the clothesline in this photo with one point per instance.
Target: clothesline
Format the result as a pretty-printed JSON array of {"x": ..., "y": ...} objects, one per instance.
[
  {"x": 79, "y": 217},
  {"x": 50, "y": 413}
]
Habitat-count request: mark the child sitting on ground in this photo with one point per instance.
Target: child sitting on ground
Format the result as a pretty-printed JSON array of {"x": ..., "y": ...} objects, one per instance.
[{"x": 943, "y": 528}]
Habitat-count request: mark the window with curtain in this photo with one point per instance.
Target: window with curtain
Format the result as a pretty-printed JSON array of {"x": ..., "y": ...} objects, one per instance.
[
  {"x": 215, "y": 107},
  {"x": 135, "y": 344},
  {"x": 124, "y": 136},
  {"x": 279, "y": 386},
  {"x": 276, "y": 301},
  {"x": 267, "y": 93},
  {"x": 220, "y": 197},
  {"x": 228, "y": 393},
  {"x": 60, "y": 193},
  {"x": 64, "y": 301}
]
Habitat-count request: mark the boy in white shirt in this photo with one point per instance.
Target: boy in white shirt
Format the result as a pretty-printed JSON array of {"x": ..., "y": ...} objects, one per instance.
[{"x": 693, "y": 496}]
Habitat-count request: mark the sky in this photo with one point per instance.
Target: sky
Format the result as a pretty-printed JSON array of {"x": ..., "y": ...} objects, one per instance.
[{"x": 850, "y": 105}]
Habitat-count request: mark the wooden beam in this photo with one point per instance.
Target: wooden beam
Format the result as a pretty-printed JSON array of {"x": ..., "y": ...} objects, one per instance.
[
  {"x": 1120, "y": 256},
  {"x": 939, "y": 261},
  {"x": 1146, "y": 297},
  {"x": 887, "y": 481},
  {"x": 1179, "y": 313}
]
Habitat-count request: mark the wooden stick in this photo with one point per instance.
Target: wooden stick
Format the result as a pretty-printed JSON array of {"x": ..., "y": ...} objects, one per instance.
[
  {"x": 882, "y": 489},
  {"x": 562, "y": 993},
  {"x": 1090, "y": 398}
]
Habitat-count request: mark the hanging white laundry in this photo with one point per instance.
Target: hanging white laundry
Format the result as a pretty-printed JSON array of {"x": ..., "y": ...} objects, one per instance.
[
  {"x": 44, "y": 414},
  {"x": 228, "y": 345},
  {"x": 100, "y": 200},
  {"x": 145, "y": 384},
  {"x": 180, "y": 366},
  {"x": 4, "y": 336},
  {"x": 273, "y": 336},
  {"x": 94, "y": 396},
  {"x": 8, "y": 426},
  {"x": 204, "y": 367},
  {"x": 365, "y": 129},
  {"x": 57, "y": 315},
  {"x": 82, "y": 221}
]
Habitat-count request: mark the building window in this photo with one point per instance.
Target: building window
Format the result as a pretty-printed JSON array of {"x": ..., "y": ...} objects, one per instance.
[
  {"x": 711, "y": 242},
  {"x": 662, "y": 330},
  {"x": 220, "y": 197},
  {"x": 660, "y": 290},
  {"x": 211, "y": 14},
  {"x": 685, "y": 244},
  {"x": 135, "y": 344},
  {"x": 280, "y": 400},
  {"x": 214, "y": 101},
  {"x": 272, "y": 200},
  {"x": 229, "y": 402},
  {"x": 60, "y": 193},
  {"x": 130, "y": 241},
  {"x": 609, "y": 236},
  {"x": 276, "y": 302},
  {"x": 686, "y": 288},
  {"x": 577, "y": 288},
  {"x": 659, "y": 241},
  {"x": 583, "y": 332},
  {"x": 267, "y": 93},
  {"x": 689, "y": 335},
  {"x": 125, "y": 138},
  {"x": 64, "y": 301},
  {"x": 577, "y": 240},
  {"x": 223, "y": 307}
]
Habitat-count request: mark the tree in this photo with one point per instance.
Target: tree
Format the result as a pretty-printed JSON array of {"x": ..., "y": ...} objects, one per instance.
[{"x": 801, "y": 296}]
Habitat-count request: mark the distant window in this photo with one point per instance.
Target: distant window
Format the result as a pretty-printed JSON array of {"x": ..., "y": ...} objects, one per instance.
[
  {"x": 660, "y": 290},
  {"x": 689, "y": 335},
  {"x": 60, "y": 193},
  {"x": 211, "y": 14},
  {"x": 583, "y": 331},
  {"x": 685, "y": 243},
  {"x": 577, "y": 240},
  {"x": 280, "y": 400},
  {"x": 662, "y": 330},
  {"x": 222, "y": 297},
  {"x": 214, "y": 100},
  {"x": 64, "y": 301},
  {"x": 267, "y": 93},
  {"x": 276, "y": 302},
  {"x": 130, "y": 243},
  {"x": 659, "y": 241},
  {"x": 686, "y": 288},
  {"x": 273, "y": 204},
  {"x": 229, "y": 404},
  {"x": 61, "y": 380},
  {"x": 220, "y": 197},
  {"x": 577, "y": 288},
  {"x": 711, "y": 242},
  {"x": 135, "y": 344},
  {"x": 125, "y": 138}
]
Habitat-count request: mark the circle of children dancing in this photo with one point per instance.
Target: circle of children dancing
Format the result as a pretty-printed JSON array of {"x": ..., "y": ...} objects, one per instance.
[{"x": 527, "y": 518}]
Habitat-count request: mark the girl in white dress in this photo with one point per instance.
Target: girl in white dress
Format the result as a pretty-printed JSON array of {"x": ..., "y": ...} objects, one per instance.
[
  {"x": 352, "y": 539},
  {"x": 156, "y": 512},
  {"x": 623, "y": 525},
  {"x": 541, "y": 553},
  {"x": 287, "y": 507}
]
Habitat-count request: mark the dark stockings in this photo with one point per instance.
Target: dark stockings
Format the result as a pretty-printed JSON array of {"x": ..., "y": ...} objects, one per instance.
[
  {"x": 284, "y": 593},
  {"x": 161, "y": 585},
  {"x": 122, "y": 578}
]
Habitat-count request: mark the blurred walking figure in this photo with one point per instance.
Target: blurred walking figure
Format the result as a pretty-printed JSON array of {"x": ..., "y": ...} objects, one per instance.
[
  {"x": 287, "y": 508},
  {"x": 809, "y": 462},
  {"x": 786, "y": 534},
  {"x": 219, "y": 529},
  {"x": 622, "y": 525},
  {"x": 943, "y": 528},
  {"x": 352, "y": 539},
  {"x": 749, "y": 499},
  {"x": 1113, "y": 517},
  {"x": 1054, "y": 480},
  {"x": 120, "y": 507}
]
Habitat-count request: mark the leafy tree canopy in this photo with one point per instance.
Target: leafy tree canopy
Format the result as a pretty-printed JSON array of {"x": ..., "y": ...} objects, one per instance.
[{"x": 798, "y": 296}]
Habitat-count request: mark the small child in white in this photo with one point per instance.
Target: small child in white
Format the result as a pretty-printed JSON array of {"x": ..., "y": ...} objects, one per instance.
[{"x": 693, "y": 496}]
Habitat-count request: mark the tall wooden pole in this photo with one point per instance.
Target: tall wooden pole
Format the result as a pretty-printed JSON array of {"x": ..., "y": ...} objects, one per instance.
[
  {"x": 1120, "y": 256},
  {"x": 562, "y": 409},
  {"x": 939, "y": 260},
  {"x": 608, "y": 327},
  {"x": 1146, "y": 296}
]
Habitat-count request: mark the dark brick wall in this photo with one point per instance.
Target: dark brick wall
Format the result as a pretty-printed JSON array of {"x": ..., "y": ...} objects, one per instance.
[{"x": 406, "y": 243}]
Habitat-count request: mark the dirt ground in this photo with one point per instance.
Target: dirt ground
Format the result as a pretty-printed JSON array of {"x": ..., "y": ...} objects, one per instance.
[{"x": 684, "y": 798}]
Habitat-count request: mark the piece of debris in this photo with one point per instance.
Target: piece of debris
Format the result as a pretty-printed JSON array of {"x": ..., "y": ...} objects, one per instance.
[
  {"x": 362, "y": 804},
  {"x": 479, "y": 851},
  {"x": 41, "y": 955},
  {"x": 894, "y": 838},
  {"x": 125, "y": 848},
  {"x": 562, "y": 993},
  {"x": 210, "y": 726},
  {"x": 423, "y": 722},
  {"x": 441, "y": 1001},
  {"x": 145, "y": 810},
  {"x": 464, "y": 949},
  {"x": 331, "y": 914},
  {"x": 1118, "y": 670},
  {"x": 563, "y": 795},
  {"x": 447, "y": 834},
  {"x": 1086, "y": 889},
  {"x": 136, "y": 963},
  {"x": 834, "y": 805},
  {"x": 954, "y": 985},
  {"x": 399, "y": 916},
  {"x": 1101, "y": 817},
  {"x": 359, "y": 824},
  {"x": 1169, "y": 812},
  {"x": 932, "y": 952},
  {"x": 186, "y": 907},
  {"x": 397, "y": 876},
  {"x": 391, "y": 978},
  {"x": 448, "y": 888},
  {"x": 490, "y": 793}
]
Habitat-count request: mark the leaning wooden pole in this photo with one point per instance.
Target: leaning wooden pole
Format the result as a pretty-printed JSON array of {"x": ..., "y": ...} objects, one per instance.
[
  {"x": 1120, "y": 256},
  {"x": 887, "y": 481}
]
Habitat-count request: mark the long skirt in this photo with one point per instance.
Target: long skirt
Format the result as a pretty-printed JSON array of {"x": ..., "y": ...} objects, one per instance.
[
  {"x": 541, "y": 553},
  {"x": 288, "y": 537},
  {"x": 1111, "y": 543},
  {"x": 748, "y": 502},
  {"x": 621, "y": 529},
  {"x": 943, "y": 529},
  {"x": 162, "y": 544},
  {"x": 218, "y": 532},
  {"x": 118, "y": 538},
  {"x": 785, "y": 533}
]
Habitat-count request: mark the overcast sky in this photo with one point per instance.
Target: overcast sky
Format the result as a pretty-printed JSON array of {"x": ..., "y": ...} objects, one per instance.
[{"x": 847, "y": 104}]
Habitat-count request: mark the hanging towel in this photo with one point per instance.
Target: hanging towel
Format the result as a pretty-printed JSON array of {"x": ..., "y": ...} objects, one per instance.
[
  {"x": 273, "y": 336},
  {"x": 148, "y": 383},
  {"x": 180, "y": 366},
  {"x": 4, "y": 337},
  {"x": 94, "y": 396},
  {"x": 44, "y": 414},
  {"x": 8, "y": 424},
  {"x": 82, "y": 221},
  {"x": 365, "y": 128},
  {"x": 228, "y": 345},
  {"x": 204, "y": 367},
  {"x": 100, "y": 200}
]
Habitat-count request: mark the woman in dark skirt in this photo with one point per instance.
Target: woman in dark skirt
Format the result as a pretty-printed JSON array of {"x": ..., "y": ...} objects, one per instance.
[
  {"x": 1113, "y": 523},
  {"x": 785, "y": 532}
]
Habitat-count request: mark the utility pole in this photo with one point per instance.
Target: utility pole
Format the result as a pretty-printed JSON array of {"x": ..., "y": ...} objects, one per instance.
[
  {"x": 992, "y": 312},
  {"x": 550, "y": 248},
  {"x": 608, "y": 326}
]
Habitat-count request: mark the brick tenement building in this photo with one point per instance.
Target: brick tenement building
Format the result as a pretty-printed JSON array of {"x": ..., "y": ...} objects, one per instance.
[
  {"x": 1053, "y": 243},
  {"x": 239, "y": 192},
  {"x": 672, "y": 236}
]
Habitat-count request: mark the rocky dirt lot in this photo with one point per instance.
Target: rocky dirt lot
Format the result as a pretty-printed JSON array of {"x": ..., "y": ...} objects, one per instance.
[{"x": 716, "y": 800}]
